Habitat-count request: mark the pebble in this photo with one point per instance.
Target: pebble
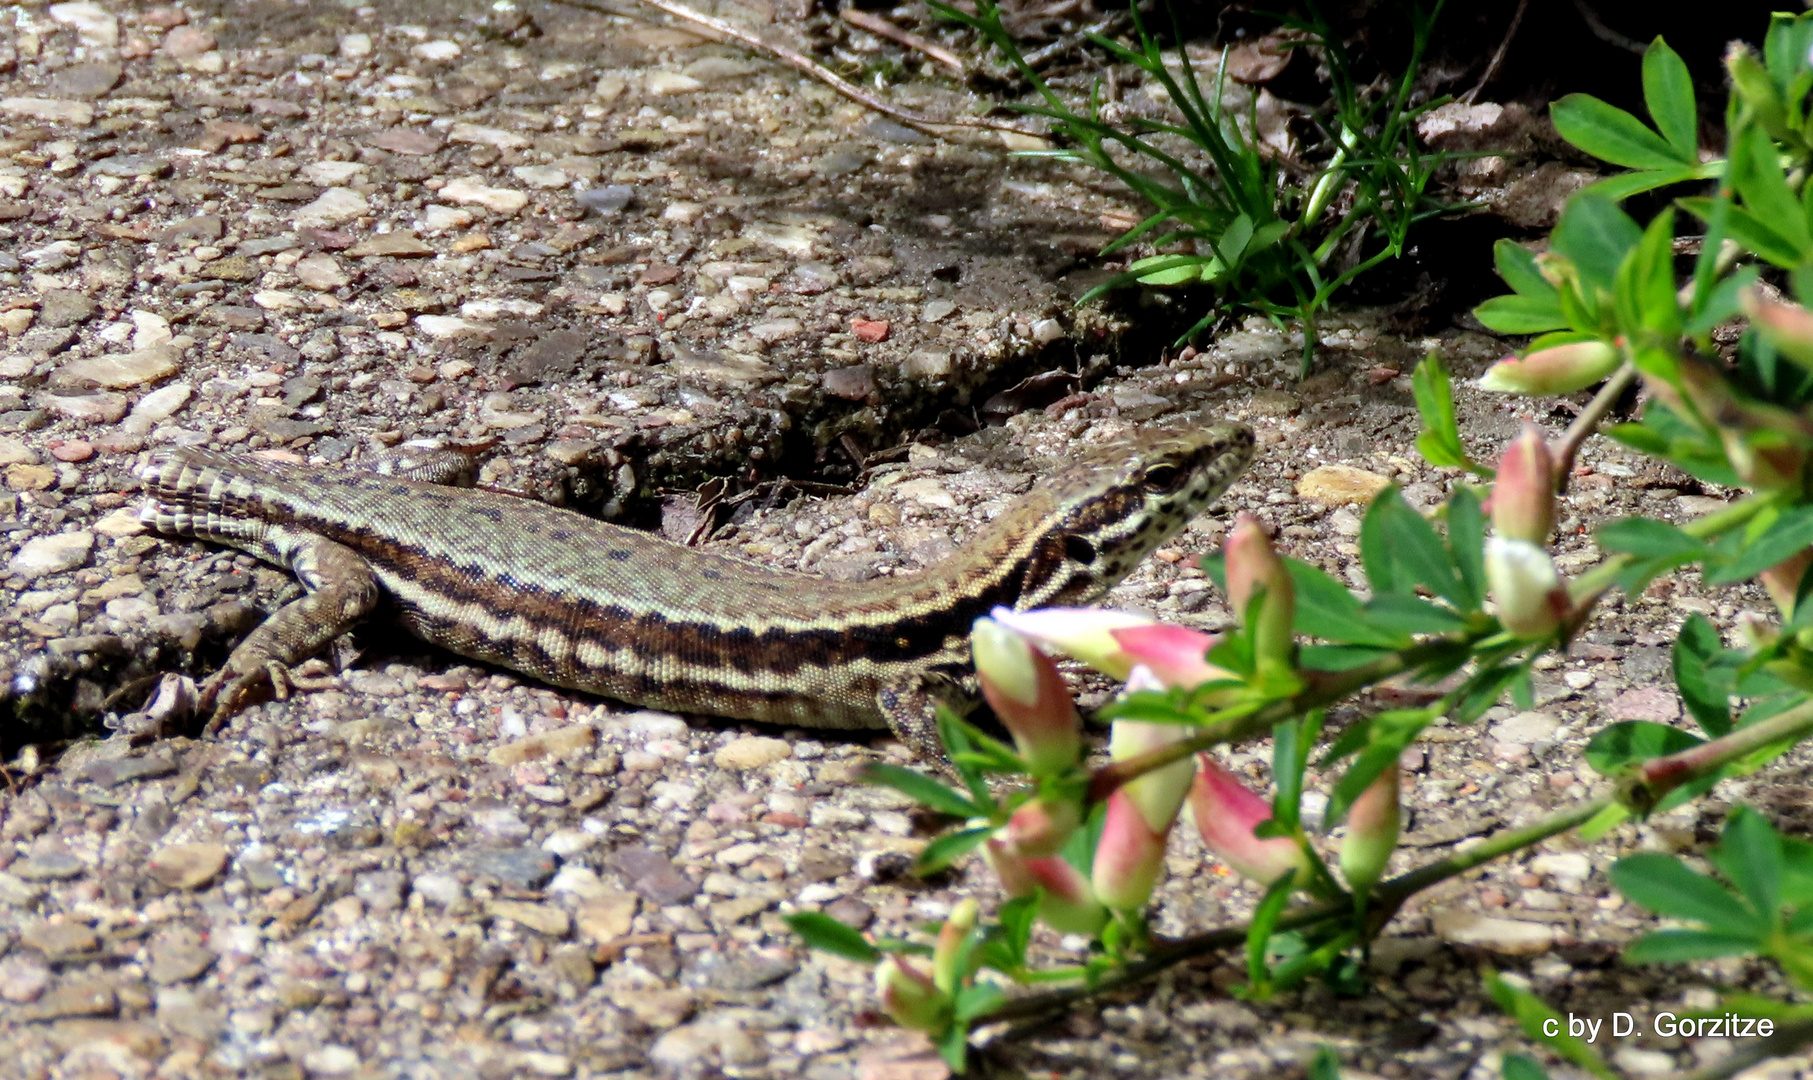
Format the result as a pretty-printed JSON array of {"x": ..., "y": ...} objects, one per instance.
[
  {"x": 396, "y": 244},
  {"x": 1564, "y": 866},
  {"x": 1646, "y": 703},
  {"x": 705, "y": 1044},
  {"x": 467, "y": 191},
  {"x": 537, "y": 917},
  {"x": 937, "y": 310},
  {"x": 653, "y": 875},
  {"x": 331, "y": 1060},
  {"x": 496, "y": 138},
  {"x": 751, "y": 752},
  {"x": 661, "y": 82},
  {"x": 55, "y": 865},
  {"x": 1526, "y": 728},
  {"x": 123, "y": 371},
  {"x": 321, "y": 272},
  {"x": 606, "y": 917},
  {"x": 95, "y": 407},
  {"x": 563, "y": 743},
  {"x": 60, "y": 941},
  {"x": 447, "y": 327},
  {"x": 438, "y": 887},
  {"x": 22, "y": 981},
  {"x": 188, "y": 866},
  {"x": 177, "y": 957},
  {"x": 525, "y": 868},
  {"x": 610, "y": 199},
  {"x": 1046, "y": 331},
  {"x": 65, "y": 307},
  {"x": 45, "y": 555},
  {"x": 49, "y": 110},
  {"x": 94, "y": 24},
  {"x": 869, "y": 330},
  {"x": 1333, "y": 485},
  {"x": 1507, "y": 937},
  {"x": 335, "y": 206},
  {"x": 540, "y": 176}
]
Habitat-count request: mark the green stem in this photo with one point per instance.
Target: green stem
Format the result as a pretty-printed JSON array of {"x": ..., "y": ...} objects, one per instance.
[
  {"x": 1602, "y": 577},
  {"x": 1325, "y": 688}
]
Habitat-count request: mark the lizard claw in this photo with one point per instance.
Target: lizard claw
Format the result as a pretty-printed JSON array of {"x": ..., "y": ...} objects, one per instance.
[{"x": 230, "y": 690}]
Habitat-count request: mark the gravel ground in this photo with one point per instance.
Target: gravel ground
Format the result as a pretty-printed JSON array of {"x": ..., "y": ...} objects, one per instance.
[{"x": 626, "y": 261}]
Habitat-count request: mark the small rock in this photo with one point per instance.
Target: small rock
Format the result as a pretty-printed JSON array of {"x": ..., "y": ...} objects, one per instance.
[
  {"x": 122, "y": 371},
  {"x": 937, "y": 310},
  {"x": 1647, "y": 703},
  {"x": 497, "y": 138},
  {"x": 1564, "y": 866},
  {"x": 131, "y": 166},
  {"x": 1508, "y": 937},
  {"x": 653, "y": 875},
  {"x": 752, "y": 752},
  {"x": 60, "y": 941},
  {"x": 606, "y": 918},
  {"x": 1333, "y": 485},
  {"x": 331, "y": 1060},
  {"x": 439, "y": 887},
  {"x": 1526, "y": 728},
  {"x": 65, "y": 307},
  {"x": 49, "y": 110},
  {"x": 467, "y": 191},
  {"x": 22, "y": 981},
  {"x": 537, "y": 917},
  {"x": 177, "y": 957},
  {"x": 525, "y": 868},
  {"x": 707, "y": 1044},
  {"x": 546, "y": 177},
  {"x": 610, "y": 199},
  {"x": 771, "y": 331},
  {"x": 187, "y": 43},
  {"x": 333, "y": 173},
  {"x": 58, "y": 864},
  {"x": 406, "y": 141},
  {"x": 854, "y": 383},
  {"x": 1046, "y": 331},
  {"x": 321, "y": 272},
  {"x": 869, "y": 330},
  {"x": 94, "y": 24},
  {"x": 662, "y": 82},
  {"x": 562, "y": 744},
  {"x": 447, "y": 327},
  {"x": 52, "y": 554},
  {"x": 398, "y": 244},
  {"x": 335, "y": 206},
  {"x": 96, "y": 407},
  {"x": 188, "y": 866}
]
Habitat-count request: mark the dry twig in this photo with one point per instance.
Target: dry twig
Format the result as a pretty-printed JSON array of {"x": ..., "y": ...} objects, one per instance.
[{"x": 881, "y": 27}]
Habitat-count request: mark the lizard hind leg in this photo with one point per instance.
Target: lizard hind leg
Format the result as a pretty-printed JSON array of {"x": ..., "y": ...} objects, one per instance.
[{"x": 339, "y": 590}]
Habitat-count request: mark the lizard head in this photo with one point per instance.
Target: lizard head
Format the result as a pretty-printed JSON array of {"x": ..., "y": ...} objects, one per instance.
[{"x": 1115, "y": 505}]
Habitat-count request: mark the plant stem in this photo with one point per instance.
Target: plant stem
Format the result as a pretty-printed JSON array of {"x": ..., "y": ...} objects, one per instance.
[
  {"x": 1660, "y": 776},
  {"x": 1588, "y": 422},
  {"x": 1326, "y": 688}
]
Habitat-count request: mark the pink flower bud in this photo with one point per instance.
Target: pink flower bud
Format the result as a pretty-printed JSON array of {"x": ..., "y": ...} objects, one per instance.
[
  {"x": 1523, "y": 497},
  {"x": 1253, "y": 565},
  {"x": 1226, "y": 813},
  {"x": 1788, "y": 327},
  {"x": 1783, "y": 581},
  {"x": 1128, "y": 858},
  {"x": 1531, "y": 599},
  {"x": 1558, "y": 369},
  {"x": 1373, "y": 822},
  {"x": 1041, "y": 827},
  {"x": 1174, "y": 655},
  {"x": 1029, "y": 697},
  {"x": 947, "y": 955},
  {"x": 1066, "y": 903},
  {"x": 910, "y": 997},
  {"x": 1159, "y": 794},
  {"x": 1084, "y": 634}
]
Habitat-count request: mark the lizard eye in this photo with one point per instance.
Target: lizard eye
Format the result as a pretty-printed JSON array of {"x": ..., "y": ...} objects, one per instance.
[
  {"x": 1163, "y": 479},
  {"x": 1079, "y": 549}
]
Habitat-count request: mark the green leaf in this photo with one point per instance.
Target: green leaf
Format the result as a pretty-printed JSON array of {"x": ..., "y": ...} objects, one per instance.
[
  {"x": 1326, "y": 610},
  {"x": 1326, "y": 1065},
  {"x": 976, "y": 1001},
  {"x": 1260, "y": 930},
  {"x": 1483, "y": 691},
  {"x": 953, "y": 1047},
  {"x": 1647, "y": 538},
  {"x": 1411, "y": 615},
  {"x": 1401, "y": 550},
  {"x": 1665, "y": 885},
  {"x": 1516, "y": 264},
  {"x": 1685, "y": 946},
  {"x": 1467, "y": 544},
  {"x": 1647, "y": 295},
  {"x": 1614, "y": 749},
  {"x": 826, "y": 934},
  {"x": 1756, "y": 175},
  {"x": 1791, "y": 532},
  {"x": 1611, "y": 134},
  {"x": 950, "y": 847},
  {"x": 1518, "y": 1067},
  {"x": 1532, "y": 1013},
  {"x": 1750, "y": 855},
  {"x": 1624, "y": 185},
  {"x": 1521, "y": 314},
  {"x": 1668, "y": 93},
  {"x": 1597, "y": 235},
  {"x": 1234, "y": 240},
  {"x": 1705, "y": 684},
  {"x": 1797, "y": 873},
  {"x": 1338, "y": 657},
  {"x": 922, "y": 789},
  {"x": 1439, "y": 441},
  {"x": 1389, "y": 733},
  {"x": 1755, "y": 235}
]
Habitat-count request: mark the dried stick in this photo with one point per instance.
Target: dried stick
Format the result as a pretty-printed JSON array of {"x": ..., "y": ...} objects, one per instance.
[
  {"x": 1498, "y": 58},
  {"x": 799, "y": 61},
  {"x": 881, "y": 27}
]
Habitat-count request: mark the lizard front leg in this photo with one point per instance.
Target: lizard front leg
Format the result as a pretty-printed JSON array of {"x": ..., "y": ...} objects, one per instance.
[
  {"x": 339, "y": 591},
  {"x": 910, "y": 707}
]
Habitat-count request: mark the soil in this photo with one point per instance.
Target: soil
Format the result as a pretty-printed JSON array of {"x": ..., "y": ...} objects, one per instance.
[{"x": 625, "y": 262}]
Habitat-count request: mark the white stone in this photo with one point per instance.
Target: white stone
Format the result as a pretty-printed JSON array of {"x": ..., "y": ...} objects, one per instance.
[
  {"x": 1511, "y": 937},
  {"x": 94, "y": 24},
  {"x": 1562, "y": 865},
  {"x": 662, "y": 82},
  {"x": 439, "y": 219},
  {"x": 491, "y": 310},
  {"x": 774, "y": 330},
  {"x": 437, "y": 50},
  {"x": 332, "y": 173},
  {"x": 52, "y": 554},
  {"x": 486, "y": 136},
  {"x": 540, "y": 176},
  {"x": 354, "y": 46},
  {"x": 335, "y": 206},
  {"x": 445, "y": 327},
  {"x": 49, "y": 110},
  {"x": 1046, "y": 331},
  {"x": 331, "y": 1060},
  {"x": 321, "y": 272},
  {"x": 277, "y": 300},
  {"x": 149, "y": 328},
  {"x": 467, "y": 191},
  {"x": 1526, "y": 728},
  {"x": 157, "y": 406}
]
